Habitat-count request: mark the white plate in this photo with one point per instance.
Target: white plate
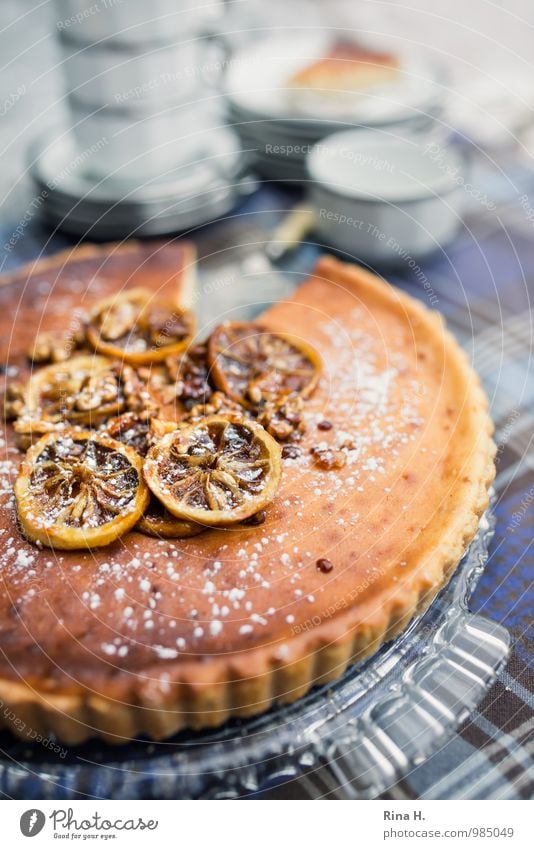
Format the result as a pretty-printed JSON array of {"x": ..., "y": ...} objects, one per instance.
[
  {"x": 200, "y": 189},
  {"x": 55, "y": 162},
  {"x": 256, "y": 83}
]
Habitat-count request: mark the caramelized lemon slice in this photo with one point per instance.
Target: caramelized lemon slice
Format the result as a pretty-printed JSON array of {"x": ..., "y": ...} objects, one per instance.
[
  {"x": 136, "y": 328},
  {"x": 85, "y": 391},
  {"x": 79, "y": 490},
  {"x": 133, "y": 429},
  {"x": 140, "y": 430},
  {"x": 216, "y": 471},
  {"x": 252, "y": 364},
  {"x": 158, "y": 522}
]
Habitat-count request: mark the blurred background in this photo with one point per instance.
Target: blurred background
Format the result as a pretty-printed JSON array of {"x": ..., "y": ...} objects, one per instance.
[{"x": 102, "y": 99}]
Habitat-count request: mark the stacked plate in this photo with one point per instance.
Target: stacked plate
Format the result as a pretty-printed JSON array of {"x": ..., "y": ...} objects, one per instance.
[
  {"x": 200, "y": 188},
  {"x": 147, "y": 150},
  {"x": 279, "y": 125}
]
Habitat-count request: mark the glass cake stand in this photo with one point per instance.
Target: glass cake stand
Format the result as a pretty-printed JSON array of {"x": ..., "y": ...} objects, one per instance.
[{"x": 357, "y": 736}]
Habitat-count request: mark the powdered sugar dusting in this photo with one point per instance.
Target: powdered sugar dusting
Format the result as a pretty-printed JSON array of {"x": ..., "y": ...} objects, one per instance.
[{"x": 167, "y": 600}]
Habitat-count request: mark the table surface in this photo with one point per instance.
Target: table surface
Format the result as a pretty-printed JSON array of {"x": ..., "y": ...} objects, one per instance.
[{"x": 484, "y": 285}]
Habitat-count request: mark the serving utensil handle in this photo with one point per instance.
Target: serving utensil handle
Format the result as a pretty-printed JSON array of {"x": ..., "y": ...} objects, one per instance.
[{"x": 292, "y": 229}]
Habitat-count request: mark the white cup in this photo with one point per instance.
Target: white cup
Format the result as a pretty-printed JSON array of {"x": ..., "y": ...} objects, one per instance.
[
  {"x": 99, "y": 74},
  {"x": 385, "y": 198},
  {"x": 137, "y": 144},
  {"x": 133, "y": 21}
]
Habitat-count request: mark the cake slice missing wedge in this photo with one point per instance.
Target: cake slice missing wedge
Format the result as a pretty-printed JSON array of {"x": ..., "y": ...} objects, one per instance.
[{"x": 376, "y": 504}]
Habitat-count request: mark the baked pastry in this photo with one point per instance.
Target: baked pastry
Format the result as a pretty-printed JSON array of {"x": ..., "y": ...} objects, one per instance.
[
  {"x": 385, "y": 471},
  {"x": 347, "y": 67}
]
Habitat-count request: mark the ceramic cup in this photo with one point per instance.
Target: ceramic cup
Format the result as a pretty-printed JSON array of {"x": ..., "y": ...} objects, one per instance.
[{"x": 382, "y": 197}]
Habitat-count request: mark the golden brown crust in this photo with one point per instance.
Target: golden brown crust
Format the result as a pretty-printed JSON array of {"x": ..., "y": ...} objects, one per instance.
[
  {"x": 58, "y": 259},
  {"x": 87, "y": 250},
  {"x": 199, "y": 694},
  {"x": 182, "y": 284}
]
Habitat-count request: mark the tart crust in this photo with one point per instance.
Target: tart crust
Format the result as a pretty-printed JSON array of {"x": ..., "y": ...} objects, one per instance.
[{"x": 380, "y": 586}]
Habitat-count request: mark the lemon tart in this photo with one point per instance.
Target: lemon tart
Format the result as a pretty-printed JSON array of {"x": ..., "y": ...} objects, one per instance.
[{"x": 375, "y": 488}]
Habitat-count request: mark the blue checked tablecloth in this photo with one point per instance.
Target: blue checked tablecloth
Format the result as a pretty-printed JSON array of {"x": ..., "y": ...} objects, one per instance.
[{"x": 484, "y": 286}]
